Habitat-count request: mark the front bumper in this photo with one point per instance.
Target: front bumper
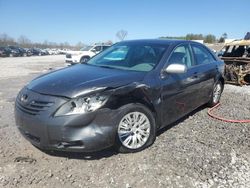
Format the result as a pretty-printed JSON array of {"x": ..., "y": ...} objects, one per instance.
[
  {"x": 73, "y": 59},
  {"x": 82, "y": 133}
]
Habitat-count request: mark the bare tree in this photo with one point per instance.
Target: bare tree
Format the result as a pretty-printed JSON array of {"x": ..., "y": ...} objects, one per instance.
[
  {"x": 224, "y": 35},
  {"x": 79, "y": 45},
  {"x": 23, "y": 41},
  {"x": 109, "y": 42},
  {"x": 122, "y": 34},
  {"x": 6, "y": 40}
]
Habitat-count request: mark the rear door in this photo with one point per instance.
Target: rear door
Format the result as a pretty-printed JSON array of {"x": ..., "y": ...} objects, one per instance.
[{"x": 206, "y": 70}]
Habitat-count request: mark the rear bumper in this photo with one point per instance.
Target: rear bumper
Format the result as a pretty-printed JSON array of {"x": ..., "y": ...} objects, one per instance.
[{"x": 79, "y": 133}]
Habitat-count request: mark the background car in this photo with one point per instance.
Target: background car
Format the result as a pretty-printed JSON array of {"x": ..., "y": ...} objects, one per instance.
[
  {"x": 37, "y": 51},
  {"x": 4, "y": 52},
  {"x": 8, "y": 52},
  {"x": 27, "y": 51},
  {"x": 21, "y": 52},
  {"x": 236, "y": 56},
  {"x": 84, "y": 54}
]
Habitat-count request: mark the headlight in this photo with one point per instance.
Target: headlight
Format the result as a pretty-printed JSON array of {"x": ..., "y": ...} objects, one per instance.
[{"x": 82, "y": 105}]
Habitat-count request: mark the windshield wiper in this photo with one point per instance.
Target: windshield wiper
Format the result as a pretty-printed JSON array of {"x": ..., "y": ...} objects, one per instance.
[{"x": 105, "y": 66}]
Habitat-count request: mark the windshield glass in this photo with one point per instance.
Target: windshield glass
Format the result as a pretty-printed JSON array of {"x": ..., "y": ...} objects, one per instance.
[
  {"x": 86, "y": 48},
  {"x": 133, "y": 57}
]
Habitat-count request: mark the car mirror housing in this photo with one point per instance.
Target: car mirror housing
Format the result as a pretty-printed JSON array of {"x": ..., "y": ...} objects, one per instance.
[{"x": 176, "y": 68}]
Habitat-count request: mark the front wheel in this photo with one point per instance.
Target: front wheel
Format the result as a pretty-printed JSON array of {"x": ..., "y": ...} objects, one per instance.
[
  {"x": 84, "y": 59},
  {"x": 136, "y": 129},
  {"x": 216, "y": 95}
]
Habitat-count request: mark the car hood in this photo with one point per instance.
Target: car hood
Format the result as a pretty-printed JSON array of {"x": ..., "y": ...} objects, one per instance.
[{"x": 81, "y": 79}]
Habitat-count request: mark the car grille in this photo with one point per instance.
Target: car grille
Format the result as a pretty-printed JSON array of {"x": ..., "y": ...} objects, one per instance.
[
  {"x": 34, "y": 107},
  {"x": 68, "y": 55}
]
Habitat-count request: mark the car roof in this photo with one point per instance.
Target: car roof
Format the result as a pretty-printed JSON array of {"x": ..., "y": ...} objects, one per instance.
[
  {"x": 238, "y": 43},
  {"x": 158, "y": 41}
]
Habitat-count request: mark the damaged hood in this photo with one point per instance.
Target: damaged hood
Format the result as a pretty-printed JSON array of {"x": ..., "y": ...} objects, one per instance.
[{"x": 81, "y": 79}]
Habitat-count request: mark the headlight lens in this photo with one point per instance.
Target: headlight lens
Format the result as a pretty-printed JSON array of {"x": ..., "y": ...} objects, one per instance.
[{"x": 82, "y": 105}]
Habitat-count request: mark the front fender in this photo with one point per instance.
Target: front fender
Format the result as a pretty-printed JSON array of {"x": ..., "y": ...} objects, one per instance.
[{"x": 136, "y": 93}]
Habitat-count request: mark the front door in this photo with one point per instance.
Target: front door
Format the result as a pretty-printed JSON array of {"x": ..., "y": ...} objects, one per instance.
[{"x": 179, "y": 91}]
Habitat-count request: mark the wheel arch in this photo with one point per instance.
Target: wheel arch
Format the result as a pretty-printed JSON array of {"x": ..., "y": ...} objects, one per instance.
[
  {"x": 85, "y": 56},
  {"x": 137, "y": 96},
  {"x": 222, "y": 80}
]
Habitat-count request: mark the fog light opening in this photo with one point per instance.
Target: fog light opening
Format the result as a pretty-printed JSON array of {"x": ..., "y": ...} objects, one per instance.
[{"x": 70, "y": 144}]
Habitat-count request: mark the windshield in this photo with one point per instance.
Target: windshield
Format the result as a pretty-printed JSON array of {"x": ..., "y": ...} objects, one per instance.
[
  {"x": 133, "y": 57},
  {"x": 86, "y": 48}
]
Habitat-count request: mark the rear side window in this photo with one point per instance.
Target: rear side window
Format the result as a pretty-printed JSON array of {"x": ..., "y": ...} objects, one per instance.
[
  {"x": 105, "y": 47},
  {"x": 98, "y": 48},
  {"x": 202, "y": 55}
]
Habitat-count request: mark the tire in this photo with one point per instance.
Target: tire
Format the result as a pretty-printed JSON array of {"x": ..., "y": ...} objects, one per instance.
[
  {"x": 216, "y": 94},
  {"x": 84, "y": 59},
  {"x": 130, "y": 137}
]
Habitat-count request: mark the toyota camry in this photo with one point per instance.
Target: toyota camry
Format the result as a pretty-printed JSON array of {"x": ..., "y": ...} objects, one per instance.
[{"x": 120, "y": 97}]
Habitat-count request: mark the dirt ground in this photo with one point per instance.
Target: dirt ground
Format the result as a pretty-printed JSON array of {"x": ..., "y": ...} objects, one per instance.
[{"x": 196, "y": 152}]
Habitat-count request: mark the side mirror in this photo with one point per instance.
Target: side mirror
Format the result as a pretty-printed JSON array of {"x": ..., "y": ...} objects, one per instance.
[
  {"x": 176, "y": 69},
  {"x": 93, "y": 50}
]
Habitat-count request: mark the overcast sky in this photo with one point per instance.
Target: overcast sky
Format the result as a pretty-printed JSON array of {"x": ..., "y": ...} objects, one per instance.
[{"x": 91, "y": 21}]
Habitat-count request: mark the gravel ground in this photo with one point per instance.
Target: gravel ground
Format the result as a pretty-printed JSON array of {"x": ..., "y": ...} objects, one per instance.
[{"x": 196, "y": 152}]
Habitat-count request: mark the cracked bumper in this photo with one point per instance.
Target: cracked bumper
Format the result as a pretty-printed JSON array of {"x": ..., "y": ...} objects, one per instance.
[{"x": 84, "y": 133}]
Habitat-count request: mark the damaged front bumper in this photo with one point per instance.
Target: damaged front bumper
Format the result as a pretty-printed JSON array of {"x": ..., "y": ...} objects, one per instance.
[{"x": 83, "y": 133}]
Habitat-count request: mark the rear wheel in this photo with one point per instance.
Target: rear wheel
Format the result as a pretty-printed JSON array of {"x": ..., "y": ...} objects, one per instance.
[
  {"x": 136, "y": 129},
  {"x": 216, "y": 95},
  {"x": 84, "y": 59}
]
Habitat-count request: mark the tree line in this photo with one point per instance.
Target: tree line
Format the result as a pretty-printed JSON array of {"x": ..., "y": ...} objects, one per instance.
[
  {"x": 25, "y": 42},
  {"x": 206, "y": 38}
]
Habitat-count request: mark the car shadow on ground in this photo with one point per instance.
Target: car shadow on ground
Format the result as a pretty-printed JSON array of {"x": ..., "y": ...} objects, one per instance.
[
  {"x": 111, "y": 151},
  {"x": 84, "y": 155},
  {"x": 161, "y": 131}
]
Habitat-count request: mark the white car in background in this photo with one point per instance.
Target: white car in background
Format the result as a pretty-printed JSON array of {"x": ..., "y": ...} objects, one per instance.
[{"x": 84, "y": 54}]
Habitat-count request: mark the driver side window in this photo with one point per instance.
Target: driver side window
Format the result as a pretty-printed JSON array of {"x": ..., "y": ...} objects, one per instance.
[{"x": 181, "y": 55}]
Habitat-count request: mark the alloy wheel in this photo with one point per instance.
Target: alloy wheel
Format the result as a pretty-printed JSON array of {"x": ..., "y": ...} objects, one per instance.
[
  {"x": 217, "y": 93},
  {"x": 134, "y": 130}
]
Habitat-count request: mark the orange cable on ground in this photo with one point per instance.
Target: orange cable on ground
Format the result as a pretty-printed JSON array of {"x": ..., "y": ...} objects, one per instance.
[{"x": 224, "y": 119}]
